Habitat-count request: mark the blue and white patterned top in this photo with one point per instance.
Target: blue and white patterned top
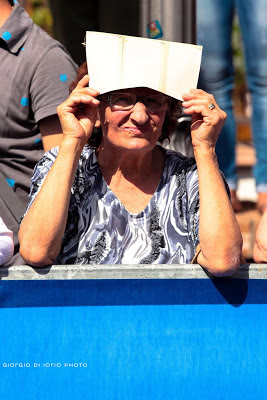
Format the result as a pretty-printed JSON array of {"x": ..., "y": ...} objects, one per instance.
[{"x": 101, "y": 231}]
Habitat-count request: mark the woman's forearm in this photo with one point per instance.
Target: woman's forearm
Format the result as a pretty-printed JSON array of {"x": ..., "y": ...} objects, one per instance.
[
  {"x": 260, "y": 246},
  {"x": 219, "y": 232},
  {"x": 42, "y": 228}
]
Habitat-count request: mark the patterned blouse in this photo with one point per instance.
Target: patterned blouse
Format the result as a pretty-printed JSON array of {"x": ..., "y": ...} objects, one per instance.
[{"x": 101, "y": 231}]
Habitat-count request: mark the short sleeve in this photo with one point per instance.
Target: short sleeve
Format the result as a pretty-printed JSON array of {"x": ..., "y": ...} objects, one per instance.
[
  {"x": 226, "y": 186},
  {"x": 193, "y": 205},
  {"x": 51, "y": 81},
  {"x": 39, "y": 174}
]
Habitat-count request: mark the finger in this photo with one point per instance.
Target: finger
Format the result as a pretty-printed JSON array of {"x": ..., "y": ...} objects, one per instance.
[
  {"x": 81, "y": 98},
  {"x": 213, "y": 117},
  {"x": 199, "y": 101},
  {"x": 86, "y": 90},
  {"x": 199, "y": 94},
  {"x": 210, "y": 107},
  {"x": 88, "y": 98},
  {"x": 83, "y": 82},
  {"x": 74, "y": 105},
  {"x": 202, "y": 109}
]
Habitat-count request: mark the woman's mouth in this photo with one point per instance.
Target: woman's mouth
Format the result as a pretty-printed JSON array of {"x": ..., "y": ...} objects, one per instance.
[{"x": 136, "y": 130}]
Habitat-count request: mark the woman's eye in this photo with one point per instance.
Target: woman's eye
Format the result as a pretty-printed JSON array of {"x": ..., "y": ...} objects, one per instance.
[
  {"x": 123, "y": 100},
  {"x": 153, "y": 102}
]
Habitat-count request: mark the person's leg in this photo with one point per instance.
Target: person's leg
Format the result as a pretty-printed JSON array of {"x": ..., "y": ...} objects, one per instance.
[
  {"x": 253, "y": 17},
  {"x": 214, "y": 28}
]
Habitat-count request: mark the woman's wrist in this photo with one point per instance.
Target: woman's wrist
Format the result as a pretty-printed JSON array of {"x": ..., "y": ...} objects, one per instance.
[
  {"x": 205, "y": 152},
  {"x": 72, "y": 145}
]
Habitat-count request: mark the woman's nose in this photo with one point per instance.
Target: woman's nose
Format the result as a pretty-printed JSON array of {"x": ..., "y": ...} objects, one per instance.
[{"x": 139, "y": 113}]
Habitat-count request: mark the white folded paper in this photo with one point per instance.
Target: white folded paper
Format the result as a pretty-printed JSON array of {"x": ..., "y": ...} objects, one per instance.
[{"x": 119, "y": 62}]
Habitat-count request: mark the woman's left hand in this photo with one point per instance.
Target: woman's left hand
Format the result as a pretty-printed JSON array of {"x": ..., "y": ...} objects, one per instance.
[
  {"x": 207, "y": 118},
  {"x": 219, "y": 233}
]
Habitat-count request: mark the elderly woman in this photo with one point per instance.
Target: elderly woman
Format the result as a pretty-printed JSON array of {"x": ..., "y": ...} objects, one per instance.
[{"x": 110, "y": 194}]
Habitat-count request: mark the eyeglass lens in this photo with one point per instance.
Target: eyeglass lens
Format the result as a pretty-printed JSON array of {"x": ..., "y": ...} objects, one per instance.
[{"x": 126, "y": 101}]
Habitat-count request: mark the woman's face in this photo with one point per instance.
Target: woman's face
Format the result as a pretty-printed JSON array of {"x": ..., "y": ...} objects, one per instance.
[{"x": 134, "y": 129}]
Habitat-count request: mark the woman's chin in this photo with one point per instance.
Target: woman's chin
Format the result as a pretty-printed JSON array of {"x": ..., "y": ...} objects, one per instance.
[{"x": 137, "y": 144}]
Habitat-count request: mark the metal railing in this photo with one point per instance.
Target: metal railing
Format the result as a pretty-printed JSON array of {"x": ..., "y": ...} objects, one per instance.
[{"x": 159, "y": 271}]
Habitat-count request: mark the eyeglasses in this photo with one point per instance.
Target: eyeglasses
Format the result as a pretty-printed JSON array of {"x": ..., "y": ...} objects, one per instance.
[{"x": 126, "y": 101}]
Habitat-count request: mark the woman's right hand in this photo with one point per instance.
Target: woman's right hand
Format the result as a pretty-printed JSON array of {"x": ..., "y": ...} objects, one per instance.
[{"x": 78, "y": 114}]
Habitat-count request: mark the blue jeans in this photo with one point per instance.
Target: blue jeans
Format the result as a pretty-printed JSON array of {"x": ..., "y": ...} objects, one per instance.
[{"x": 214, "y": 28}]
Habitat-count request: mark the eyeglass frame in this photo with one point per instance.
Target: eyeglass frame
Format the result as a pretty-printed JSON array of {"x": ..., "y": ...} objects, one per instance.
[{"x": 138, "y": 99}]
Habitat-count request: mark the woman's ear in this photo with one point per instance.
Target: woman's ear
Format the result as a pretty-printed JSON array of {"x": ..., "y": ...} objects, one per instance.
[{"x": 97, "y": 121}]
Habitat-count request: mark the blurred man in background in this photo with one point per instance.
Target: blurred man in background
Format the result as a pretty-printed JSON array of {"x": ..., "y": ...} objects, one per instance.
[{"x": 35, "y": 73}]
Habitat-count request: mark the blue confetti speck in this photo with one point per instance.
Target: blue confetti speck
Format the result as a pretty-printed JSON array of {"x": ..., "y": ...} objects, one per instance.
[
  {"x": 22, "y": 48},
  {"x": 6, "y": 35},
  {"x": 24, "y": 101},
  {"x": 37, "y": 140},
  {"x": 15, "y": 1},
  {"x": 11, "y": 182},
  {"x": 63, "y": 78}
]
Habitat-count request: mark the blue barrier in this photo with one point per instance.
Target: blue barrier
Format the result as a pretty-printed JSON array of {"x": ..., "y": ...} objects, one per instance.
[{"x": 114, "y": 333}]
